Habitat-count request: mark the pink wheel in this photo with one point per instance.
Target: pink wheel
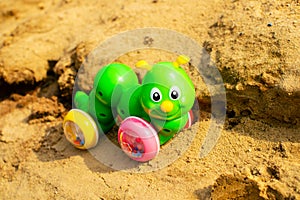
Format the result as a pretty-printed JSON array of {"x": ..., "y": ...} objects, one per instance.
[{"x": 138, "y": 139}]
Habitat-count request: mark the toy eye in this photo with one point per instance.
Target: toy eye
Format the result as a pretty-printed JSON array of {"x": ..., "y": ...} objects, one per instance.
[
  {"x": 155, "y": 95},
  {"x": 175, "y": 93}
]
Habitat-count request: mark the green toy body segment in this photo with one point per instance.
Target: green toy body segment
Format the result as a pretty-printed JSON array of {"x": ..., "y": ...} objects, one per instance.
[{"x": 111, "y": 80}]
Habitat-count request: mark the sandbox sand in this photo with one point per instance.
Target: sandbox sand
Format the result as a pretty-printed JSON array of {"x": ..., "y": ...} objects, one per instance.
[{"x": 255, "y": 46}]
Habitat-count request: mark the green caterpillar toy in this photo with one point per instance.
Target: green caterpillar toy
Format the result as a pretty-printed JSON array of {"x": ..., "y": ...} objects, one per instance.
[{"x": 148, "y": 114}]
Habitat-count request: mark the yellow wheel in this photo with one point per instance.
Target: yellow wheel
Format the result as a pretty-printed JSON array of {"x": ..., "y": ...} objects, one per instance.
[{"x": 80, "y": 129}]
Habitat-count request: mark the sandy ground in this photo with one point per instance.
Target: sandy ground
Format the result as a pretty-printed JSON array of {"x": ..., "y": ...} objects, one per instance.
[{"x": 255, "y": 46}]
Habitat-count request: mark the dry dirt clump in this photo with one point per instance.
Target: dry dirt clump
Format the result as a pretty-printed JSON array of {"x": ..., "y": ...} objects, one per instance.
[
  {"x": 256, "y": 52},
  {"x": 255, "y": 46}
]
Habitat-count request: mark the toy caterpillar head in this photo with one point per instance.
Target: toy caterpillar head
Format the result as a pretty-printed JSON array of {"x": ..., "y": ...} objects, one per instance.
[{"x": 167, "y": 91}]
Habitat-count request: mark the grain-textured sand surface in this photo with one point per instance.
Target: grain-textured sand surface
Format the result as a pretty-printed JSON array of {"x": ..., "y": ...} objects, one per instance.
[{"x": 253, "y": 44}]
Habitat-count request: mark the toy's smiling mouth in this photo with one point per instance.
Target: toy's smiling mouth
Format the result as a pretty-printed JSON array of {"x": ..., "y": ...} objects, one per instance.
[{"x": 158, "y": 112}]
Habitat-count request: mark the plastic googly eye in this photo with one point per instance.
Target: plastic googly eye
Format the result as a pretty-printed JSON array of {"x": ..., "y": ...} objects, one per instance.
[
  {"x": 155, "y": 95},
  {"x": 174, "y": 93}
]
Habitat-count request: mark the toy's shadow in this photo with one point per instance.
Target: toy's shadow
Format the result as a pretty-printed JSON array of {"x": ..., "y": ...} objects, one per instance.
[
  {"x": 108, "y": 153},
  {"x": 105, "y": 157}
]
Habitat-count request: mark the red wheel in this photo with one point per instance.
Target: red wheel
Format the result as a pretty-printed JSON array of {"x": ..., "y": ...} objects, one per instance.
[{"x": 190, "y": 119}]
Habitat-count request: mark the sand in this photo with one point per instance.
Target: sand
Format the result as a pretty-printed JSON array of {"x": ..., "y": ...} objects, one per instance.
[{"x": 255, "y": 47}]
